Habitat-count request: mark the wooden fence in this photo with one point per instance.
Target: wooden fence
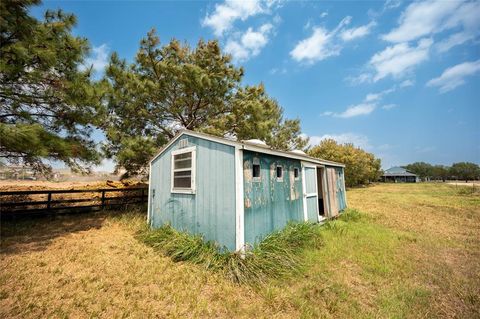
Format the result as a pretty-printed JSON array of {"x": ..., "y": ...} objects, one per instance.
[{"x": 40, "y": 202}]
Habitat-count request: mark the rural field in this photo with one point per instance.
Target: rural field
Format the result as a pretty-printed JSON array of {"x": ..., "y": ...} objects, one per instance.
[{"x": 412, "y": 252}]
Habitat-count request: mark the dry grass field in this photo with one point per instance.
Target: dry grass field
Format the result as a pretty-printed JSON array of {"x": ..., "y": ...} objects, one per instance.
[{"x": 413, "y": 253}]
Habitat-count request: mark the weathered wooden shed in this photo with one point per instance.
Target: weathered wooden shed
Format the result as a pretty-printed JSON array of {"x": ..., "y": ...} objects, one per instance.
[{"x": 236, "y": 193}]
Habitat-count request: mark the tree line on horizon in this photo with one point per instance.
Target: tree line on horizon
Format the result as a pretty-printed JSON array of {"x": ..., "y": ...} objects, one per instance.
[{"x": 466, "y": 171}]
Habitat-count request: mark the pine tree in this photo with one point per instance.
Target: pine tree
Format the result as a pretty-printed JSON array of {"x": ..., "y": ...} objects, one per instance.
[
  {"x": 49, "y": 103},
  {"x": 174, "y": 87}
]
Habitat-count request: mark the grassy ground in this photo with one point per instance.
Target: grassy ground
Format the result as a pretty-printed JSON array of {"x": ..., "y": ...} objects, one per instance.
[{"x": 414, "y": 252}]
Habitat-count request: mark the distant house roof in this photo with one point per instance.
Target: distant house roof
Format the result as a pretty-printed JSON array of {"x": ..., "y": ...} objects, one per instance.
[
  {"x": 398, "y": 171},
  {"x": 250, "y": 147}
]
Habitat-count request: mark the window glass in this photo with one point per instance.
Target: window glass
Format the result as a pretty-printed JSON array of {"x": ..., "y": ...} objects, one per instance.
[
  {"x": 182, "y": 179},
  {"x": 279, "y": 172},
  {"x": 183, "y": 160},
  {"x": 256, "y": 170},
  {"x": 295, "y": 172},
  {"x": 182, "y": 171}
]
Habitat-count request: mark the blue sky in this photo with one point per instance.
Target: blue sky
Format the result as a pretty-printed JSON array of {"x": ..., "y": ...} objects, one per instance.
[{"x": 399, "y": 79}]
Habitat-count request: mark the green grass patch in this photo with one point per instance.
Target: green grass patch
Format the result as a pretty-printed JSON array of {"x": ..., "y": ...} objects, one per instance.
[{"x": 276, "y": 256}]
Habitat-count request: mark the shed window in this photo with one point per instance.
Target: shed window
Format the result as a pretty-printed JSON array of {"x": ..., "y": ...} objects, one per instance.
[
  {"x": 279, "y": 173},
  {"x": 183, "y": 170},
  {"x": 296, "y": 173},
  {"x": 256, "y": 170}
]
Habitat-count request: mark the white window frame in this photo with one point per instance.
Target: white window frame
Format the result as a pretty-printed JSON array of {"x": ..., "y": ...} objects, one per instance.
[
  {"x": 192, "y": 188},
  {"x": 279, "y": 179}
]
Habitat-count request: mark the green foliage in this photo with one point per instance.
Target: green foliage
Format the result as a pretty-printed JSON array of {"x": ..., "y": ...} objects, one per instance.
[
  {"x": 361, "y": 167},
  {"x": 422, "y": 169},
  {"x": 48, "y": 104},
  {"x": 465, "y": 171},
  {"x": 277, "y": 256},
  {"x": 173, "y": 87}
]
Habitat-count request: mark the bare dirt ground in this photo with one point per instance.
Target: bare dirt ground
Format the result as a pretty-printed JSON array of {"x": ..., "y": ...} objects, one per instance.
[
  {"x": 10, "y": 185},
  {"x": 463, "y": 183}
]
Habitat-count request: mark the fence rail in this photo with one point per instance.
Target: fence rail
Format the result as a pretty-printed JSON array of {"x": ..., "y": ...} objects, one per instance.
[{"x": 16, "y": 203}]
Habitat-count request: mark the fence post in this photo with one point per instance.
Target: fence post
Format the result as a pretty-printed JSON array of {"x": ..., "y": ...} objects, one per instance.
[
  {"x": 49, "y": 200},
  {"x": 103, "y": 199},
  {"x": 49, "y": 205}
]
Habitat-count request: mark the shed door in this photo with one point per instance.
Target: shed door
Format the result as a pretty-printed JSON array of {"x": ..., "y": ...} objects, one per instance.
[
  {"x": 342, "y": 204},
  {"x": 310, "y": 197},
  {"x": 332, "y": 191}
]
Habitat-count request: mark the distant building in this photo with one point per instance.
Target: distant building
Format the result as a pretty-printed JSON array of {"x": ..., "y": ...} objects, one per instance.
[{"x": 399, "y": 175}]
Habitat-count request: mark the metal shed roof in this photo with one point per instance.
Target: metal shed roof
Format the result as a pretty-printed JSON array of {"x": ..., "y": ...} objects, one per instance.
[
  {"x": 249, "y": 147},
  {"x": 398, "y": 171}
]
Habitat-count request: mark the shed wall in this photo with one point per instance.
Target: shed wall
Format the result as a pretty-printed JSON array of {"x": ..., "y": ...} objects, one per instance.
[
  {"x": 270, "y": 204},
  {"x": 211, "y": 211}
]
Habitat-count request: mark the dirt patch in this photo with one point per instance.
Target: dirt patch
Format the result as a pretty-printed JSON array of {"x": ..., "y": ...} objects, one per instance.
[{"x": 44, "y": 185}]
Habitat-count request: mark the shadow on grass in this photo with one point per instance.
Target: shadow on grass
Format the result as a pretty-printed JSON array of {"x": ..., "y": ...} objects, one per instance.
[{"x": 37, "y": 233}]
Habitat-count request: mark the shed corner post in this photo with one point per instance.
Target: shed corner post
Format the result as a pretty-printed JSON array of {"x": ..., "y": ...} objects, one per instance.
[
  {"x": 239, "y": 201},
  {"x": 344, "y": 187},
  {"x": 149, "y": 199},
  {"x": 304, "y": 194}
]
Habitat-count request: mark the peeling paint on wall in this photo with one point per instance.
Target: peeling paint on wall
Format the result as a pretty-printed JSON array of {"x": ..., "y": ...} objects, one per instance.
[{"x": 270, "y": 203}]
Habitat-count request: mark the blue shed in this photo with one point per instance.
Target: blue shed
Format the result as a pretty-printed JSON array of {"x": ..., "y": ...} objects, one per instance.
[{"x": 236, "y": 193}]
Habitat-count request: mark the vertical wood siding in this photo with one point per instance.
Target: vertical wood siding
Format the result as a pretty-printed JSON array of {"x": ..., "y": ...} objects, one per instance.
[
  {"x": 336, "y": 190},
  {"x": 211, "y": 211},
  {"x": 270, "y": 204}
]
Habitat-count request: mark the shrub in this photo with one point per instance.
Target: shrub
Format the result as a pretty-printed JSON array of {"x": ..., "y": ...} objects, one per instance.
[{"x": 276, "y": 256}]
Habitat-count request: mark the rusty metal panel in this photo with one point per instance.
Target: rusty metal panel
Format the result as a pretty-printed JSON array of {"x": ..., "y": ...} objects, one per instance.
[
  {"x": 270, "y": 202},
  {"x": 211, "y": 210}
]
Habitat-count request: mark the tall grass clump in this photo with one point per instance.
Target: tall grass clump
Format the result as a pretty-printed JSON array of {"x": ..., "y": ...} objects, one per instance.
[
  {"x": 351, "y": 215},
  {"x": 278, "y": 255}
]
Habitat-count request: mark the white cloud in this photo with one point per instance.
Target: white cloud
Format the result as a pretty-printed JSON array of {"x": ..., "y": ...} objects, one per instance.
[
  {"x": 371, "y": 97},
  {"x": 392, "y": 4},
  {"x": 426, "y": 18},
  {"x": 358, "y": 140},
  {"x": 250, "y": 43},
  {"x": 278, "y": 71},
  {"x": 400, "y": 58},
  {"x": 454, "y": 40},
  {"x": 356, "y": 80},
  {"x": 98, "y": 60},
  {"x": 407, "y": 83},
  {"x": 225, "y": 14},
  {"x": 359, "y": 32},
  {"x": 323, "y": 43},
  {"x": 317, "y": 47},
  {"x": 356, "y": 110},
  {"x": 323, "y": 14},
  {"x": 455, "y": 76},
  {"x": 421, "y": 19},
  {"x": 388, "y": 106},
  {"x": 370, "y": 103}
]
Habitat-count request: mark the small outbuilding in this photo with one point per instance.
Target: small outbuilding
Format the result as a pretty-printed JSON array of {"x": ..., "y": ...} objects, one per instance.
[
  {"x": 399, "y": 175},
  {"x": 236, "y": 193}
]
